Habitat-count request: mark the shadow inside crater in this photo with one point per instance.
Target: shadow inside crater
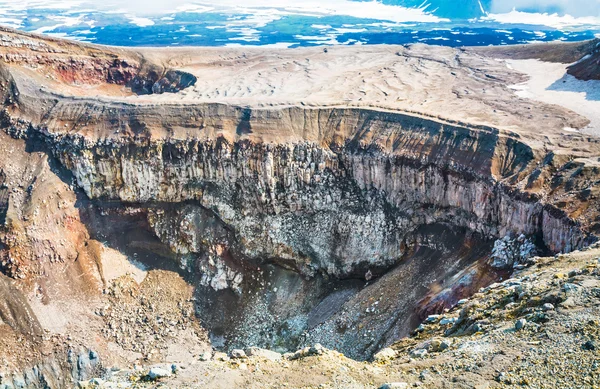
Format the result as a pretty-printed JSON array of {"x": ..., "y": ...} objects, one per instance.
[{"x": 281, "y": 309}]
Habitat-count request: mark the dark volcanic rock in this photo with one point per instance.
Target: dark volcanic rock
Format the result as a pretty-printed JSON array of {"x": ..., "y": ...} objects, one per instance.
[
  {"x": 173, "y": 81},
  {"x": 588, "y": 68}
]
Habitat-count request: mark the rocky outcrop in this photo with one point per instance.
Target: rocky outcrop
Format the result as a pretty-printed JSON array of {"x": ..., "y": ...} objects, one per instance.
[
  {"x": 58, "y": 371},
  {"x": 511, "y": 252},
  {"x": 70, "y": 65},
  {"x": 588, "y": 67},
  {"x": 173, "y": 81},
  {"x": 559, "y": 52},
  {"x": 154, "y": 80}
]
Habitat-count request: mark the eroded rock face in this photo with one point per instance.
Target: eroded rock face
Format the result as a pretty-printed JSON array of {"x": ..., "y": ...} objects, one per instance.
[
  {"x": 173, "y": 81},
  {"x": 512, "y": 251},
  {"x": 16, "y": 312},
  {"x": 321, "y": 206},
  {"x": 588, "y": 67},
  {"x": 70, "y": 65},
  {"x": 58, "y": 371},
  {"x": 156, "y": 81}
]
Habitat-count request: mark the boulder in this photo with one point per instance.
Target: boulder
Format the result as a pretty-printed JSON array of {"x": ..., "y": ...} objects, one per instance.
[
  {"x": 384, "y": 355},
  {"x": 263, "y": 353},
  {"x": 394, "y": 385},
  {"x": 237, "y": 354},
  {"x": 157, "y": 373},
  {"x": 419, "y": 353},
  {"x": 219, "y": 356},
  {"x": 317, "y": 349}
]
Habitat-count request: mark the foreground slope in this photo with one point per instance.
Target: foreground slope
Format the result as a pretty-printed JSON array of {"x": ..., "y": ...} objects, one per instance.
[{"x": 538, "y": 329}]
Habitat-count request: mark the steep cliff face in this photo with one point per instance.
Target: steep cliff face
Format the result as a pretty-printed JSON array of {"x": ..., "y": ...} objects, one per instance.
[
  {"x": 588, "y": 66},
  {"x": 321, "y": 204}
]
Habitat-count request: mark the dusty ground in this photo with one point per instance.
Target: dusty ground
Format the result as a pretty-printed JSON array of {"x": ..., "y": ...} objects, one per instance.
[
  {"x": 549, "y": 82},
  {"x": 439, "y": 82}
]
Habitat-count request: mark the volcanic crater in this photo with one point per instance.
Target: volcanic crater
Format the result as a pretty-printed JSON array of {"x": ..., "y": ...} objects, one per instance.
[{"x": 336, "y": 197}]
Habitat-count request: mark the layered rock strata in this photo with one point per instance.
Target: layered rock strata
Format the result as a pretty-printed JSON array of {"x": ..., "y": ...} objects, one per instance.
[{"x": 334, "y": 203}]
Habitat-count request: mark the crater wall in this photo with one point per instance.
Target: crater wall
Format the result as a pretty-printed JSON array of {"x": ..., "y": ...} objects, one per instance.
[{"x": 328, "y": 190}]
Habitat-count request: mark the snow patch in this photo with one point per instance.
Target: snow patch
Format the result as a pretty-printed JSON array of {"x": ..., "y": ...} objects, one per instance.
[
  {"x": 542, "y": 19},
  {"x": 140, "y": 22}
]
